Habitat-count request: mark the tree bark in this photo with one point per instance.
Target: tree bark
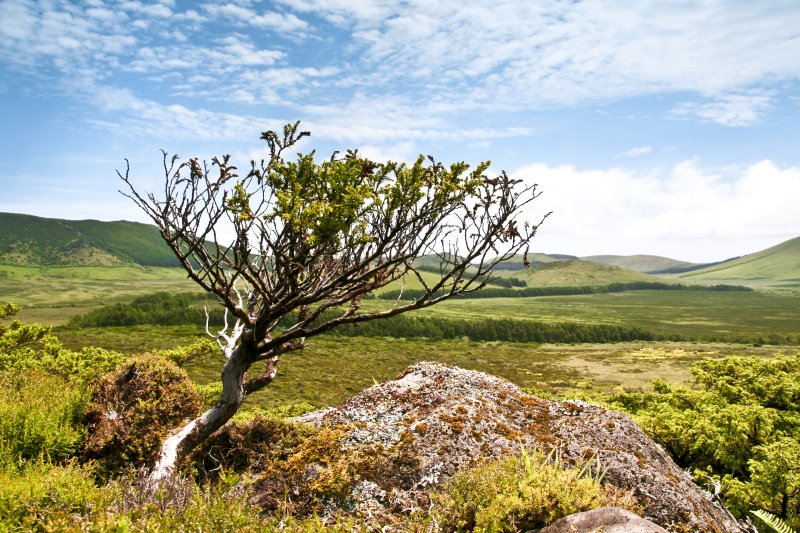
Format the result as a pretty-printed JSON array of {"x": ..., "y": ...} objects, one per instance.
[{"x": 176, "y": 447}]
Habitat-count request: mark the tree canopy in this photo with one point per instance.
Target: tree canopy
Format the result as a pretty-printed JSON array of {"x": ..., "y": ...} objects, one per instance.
[{"x": 305, "y": 239}]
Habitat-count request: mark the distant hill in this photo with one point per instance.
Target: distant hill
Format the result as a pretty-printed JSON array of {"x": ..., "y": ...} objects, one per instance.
[
  {"x": 27, "y": 240},
  {"x": 575, "y": 272},
  {"x": 780, "y": 263},
  {"x": 648, "y": 264},
  {"x": 517, "y": 262}
]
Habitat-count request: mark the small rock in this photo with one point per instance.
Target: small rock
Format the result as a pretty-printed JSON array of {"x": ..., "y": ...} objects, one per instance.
[{"x": 606, "y": 519}]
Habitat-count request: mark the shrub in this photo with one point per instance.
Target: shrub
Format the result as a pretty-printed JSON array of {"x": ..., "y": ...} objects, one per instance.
[
  {"x": 518, "y": 493},
  {"x": 249, "y": 445},
  {"x": 133, "y": 408},
  {"x": 43, "y": 497},
  {"x": 741, "y": 427},
  {"x": 40, "y": 417},
  {"x": 25, "y": 347}
]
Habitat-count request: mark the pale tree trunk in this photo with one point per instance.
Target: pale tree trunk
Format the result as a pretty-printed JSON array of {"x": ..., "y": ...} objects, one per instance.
[{"x": 176, "y": 447}]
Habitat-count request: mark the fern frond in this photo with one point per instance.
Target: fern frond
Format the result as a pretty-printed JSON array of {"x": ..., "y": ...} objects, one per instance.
[{"x": 774, "y": 522}]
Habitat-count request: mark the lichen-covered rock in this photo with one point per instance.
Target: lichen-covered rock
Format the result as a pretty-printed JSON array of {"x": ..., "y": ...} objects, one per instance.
[
  {"x": 605, "y": 519},
  {"x": 449, "y": 417}
]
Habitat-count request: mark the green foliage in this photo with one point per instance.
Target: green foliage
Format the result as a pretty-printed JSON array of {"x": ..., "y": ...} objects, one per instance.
[
  {"x": 160, "y": 308},
  {"x": 27, "y": 347},
  {"x": 773, "y": 522},
  {"x": 40, "y": 417},
  {"x": 742, "y": 427},
  {"x": 131, "y": 410},
  {"x": 45, "y": 497},
  {"x": 200, "y": 351},
  {"x": 519, "y": 493}
]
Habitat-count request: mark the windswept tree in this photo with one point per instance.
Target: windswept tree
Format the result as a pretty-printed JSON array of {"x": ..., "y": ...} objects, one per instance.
[{"x": 292, "y": 246}]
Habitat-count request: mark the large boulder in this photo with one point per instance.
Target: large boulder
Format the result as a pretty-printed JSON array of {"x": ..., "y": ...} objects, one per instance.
[{"x": 449, "y": 417}]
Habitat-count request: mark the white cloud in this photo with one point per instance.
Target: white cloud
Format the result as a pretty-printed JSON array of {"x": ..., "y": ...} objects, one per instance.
[
  {"x": 516, "y": 55},
  {"x": 636, "y": 152},
  {"x": 233, "y": 53},
  {"x": 142, "y": 118},
  {"x": 687, "y": 212},
  {"x": 403, "y": 152},
  {"x": 159, "y": 10},
  {"x": 730, "y": 110},
  {"x": 279, "y": 22}
]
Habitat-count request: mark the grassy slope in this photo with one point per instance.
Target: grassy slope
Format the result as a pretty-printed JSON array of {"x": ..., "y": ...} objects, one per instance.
[
  {"x": 576, "y": 273},
  {"x": 639, "y": 263},
  {"x": 517, "y": 262},
  {"x": 53, "y": 295},
  {"x": 780, "y": 263},
  {"x": 34, "y": 241}
]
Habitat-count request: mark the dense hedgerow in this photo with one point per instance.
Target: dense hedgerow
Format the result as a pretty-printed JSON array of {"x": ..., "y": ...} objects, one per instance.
[
  {"x": 532, "y": 292},
  {"x": 158, "y": 308}
]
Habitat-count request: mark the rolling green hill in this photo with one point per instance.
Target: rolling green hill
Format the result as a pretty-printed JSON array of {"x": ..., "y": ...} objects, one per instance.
[
  {"x": 574, "y": 272},
  {"x": 781, "y": 263},
  {"x": 517, "y": 262},
  {"x": 27, "y": 240},
  {"x": 640, "y": 263}
]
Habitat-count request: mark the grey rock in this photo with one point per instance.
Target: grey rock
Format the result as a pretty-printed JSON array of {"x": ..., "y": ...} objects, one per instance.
[
  {"x": 606, "y": 519},
  {"x": 455, "y": 417}
]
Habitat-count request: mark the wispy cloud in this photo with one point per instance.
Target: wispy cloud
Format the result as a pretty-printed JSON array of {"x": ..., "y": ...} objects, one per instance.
[
  {"x": 143, "y": 118},
  {"x": 387, "y": 72},
  {"x": 735, "y": 110},
  {"x": 636, "y": 152},
  {"x": 231, "y": 54},
  {"x": 272, "y": 20},
  {"x": 516, "y": 55}
]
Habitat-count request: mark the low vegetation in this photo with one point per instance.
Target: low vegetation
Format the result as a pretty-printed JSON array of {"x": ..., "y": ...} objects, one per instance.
[
  {"x": 524, "y": 492},
  {"x": 736, "y": 426},
  {"x": 739, "y": 429},
  {"x": 53, "y": 475}
]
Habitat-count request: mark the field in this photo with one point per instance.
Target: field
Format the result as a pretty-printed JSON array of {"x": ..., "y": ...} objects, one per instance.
[
  {"x": 54, "y": 295},
  {"x": 700, "y": 314},
  {"x": 331, "y": 368}
]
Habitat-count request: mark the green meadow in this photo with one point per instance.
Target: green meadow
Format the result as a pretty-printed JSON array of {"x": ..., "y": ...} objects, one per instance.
[{"x": 315, "y": 375}]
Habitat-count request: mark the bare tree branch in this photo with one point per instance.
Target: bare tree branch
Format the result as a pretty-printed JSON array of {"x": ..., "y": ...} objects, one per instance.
[{"x": 303, "y": 240}]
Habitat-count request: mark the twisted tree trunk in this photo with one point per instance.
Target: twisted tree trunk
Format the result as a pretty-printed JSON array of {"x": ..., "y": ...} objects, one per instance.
[{"x": 180, "y": 444}]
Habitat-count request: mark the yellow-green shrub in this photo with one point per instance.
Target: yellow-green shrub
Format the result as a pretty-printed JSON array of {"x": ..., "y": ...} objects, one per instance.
[
  {"x": 42, "y": 497},
  {"x": 518, "y": 493},
  {"x": 39, "y": 417}
]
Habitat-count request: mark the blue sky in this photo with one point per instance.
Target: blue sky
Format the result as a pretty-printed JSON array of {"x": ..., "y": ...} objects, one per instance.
[{"x": 669, "y": 128}]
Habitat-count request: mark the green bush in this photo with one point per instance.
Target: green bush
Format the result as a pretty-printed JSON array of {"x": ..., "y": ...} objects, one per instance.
[
  {"x": 133, "y": 408},
  {"x": 40, "y": 417},
  {"x": 522, "y": 492},
  {"x": 25, "y": 347},
  {"x": 741, "y": 427},
  {"x": 44, "y": 497}
]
